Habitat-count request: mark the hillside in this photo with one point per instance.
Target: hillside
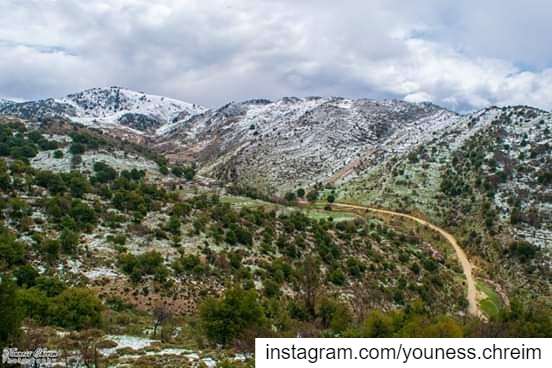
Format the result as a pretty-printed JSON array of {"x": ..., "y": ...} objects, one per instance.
[
  {"x": 150, "y": 253},
  {"x": 111, "y": 109},
  {"x": 487, "y": 177},
  {"x": 4, "y": 103},
  {"x": 281, "y": 145}
]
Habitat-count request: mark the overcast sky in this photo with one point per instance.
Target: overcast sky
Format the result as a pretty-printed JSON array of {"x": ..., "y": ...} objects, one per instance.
[{"x": 460, "y": 54}]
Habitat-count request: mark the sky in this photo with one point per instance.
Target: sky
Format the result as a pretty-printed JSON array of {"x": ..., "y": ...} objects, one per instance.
[{"x": 463, "y": 55}]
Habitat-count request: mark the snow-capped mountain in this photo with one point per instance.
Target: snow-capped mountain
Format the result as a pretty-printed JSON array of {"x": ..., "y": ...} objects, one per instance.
[
  {"x": 109, "y": 108},
  {"x": 299, "y": 141},
  {"x": 4, "y": 102}
]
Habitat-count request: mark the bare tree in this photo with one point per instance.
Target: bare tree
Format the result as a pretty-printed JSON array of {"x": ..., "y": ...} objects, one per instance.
[
  {"x": 161, "y": 314},
  {"x": 310, "y": 282}
]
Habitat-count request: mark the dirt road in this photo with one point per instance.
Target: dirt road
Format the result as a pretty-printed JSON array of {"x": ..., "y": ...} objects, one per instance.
[{"x": 473, "y": 306}]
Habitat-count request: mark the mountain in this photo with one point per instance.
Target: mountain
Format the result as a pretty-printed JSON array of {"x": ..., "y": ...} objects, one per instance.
[
  {"x": 453, "y": 238},
  {"x": 108, "y": 108},
  {"x": 488, "y": 178},
  {"x": 4, "y": 103},
  {"x": 280, "y": 145}
]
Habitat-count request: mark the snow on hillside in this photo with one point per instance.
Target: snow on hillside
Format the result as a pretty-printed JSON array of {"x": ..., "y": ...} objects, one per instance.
[
  {"x": 108, "y": 108},
  {"x": 299, "y": 141},
  {"x": 4, "y": 102},
  {"x": 109, "y": 105},
  {"x": 119, "y": 160}
]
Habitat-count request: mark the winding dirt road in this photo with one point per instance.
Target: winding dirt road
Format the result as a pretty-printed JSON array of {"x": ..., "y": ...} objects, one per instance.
[{"x": 473, "y": 306}]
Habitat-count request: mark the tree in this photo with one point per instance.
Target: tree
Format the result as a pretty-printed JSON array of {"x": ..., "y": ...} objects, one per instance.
[
  {"x": 77, "y": 148},
  {"x": 26, "y": 276},
  {"x": 309, "y": 282},
  {"x": 76, "y": 308},
  {"x": 11, "y": 251},
  {"x": 225, "y": 319},
  {"x": 290, "y": 196},
  {"x": 161, "y": 314},
  {"x": 34, "y": 304},
  {"x": 331, "y": 198},
  {"x": 173, "y": 225},
  {"x": 51, "y": 247},
  {"x": 104, "y": 173},
  {"x": 10, "y": 314},
  {"x": 78, "y": 184},
  {"x": 378, "y": 324},
  {"x": 300, "y": 192},
  {"x": 58, "y": 154},
  {"x": 312, "y": 196},
  {"x": 69, "y": 240},
  {"x": 337, "y": 277}
]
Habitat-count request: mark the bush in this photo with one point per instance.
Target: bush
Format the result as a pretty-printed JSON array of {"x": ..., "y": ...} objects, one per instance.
[
  {"x": 290, "y": 196},
  {"x": 523, "y": 250},
  {"x": 34, "y": 304},
  {"x": 26, "y": 276},
  {"x": 76, "y": 308},
  {"x": 11, "y": 251},
  {"x": 337, "y": 277},
  {"x": 77, "y": 148},
  {"x": 69, "y": 241},
  {"x": 10, "y": 313},
  {"x": 312, "y": 196},
  {"x": 104, "y": 173},
  {"x": 225, "y": 319},
  {"x": 150, "y": 263},
  {"x": 187, "y": 172}
]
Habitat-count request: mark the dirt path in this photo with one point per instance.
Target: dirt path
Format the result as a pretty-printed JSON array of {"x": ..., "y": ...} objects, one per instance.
[{"x": 473, "y": 306}]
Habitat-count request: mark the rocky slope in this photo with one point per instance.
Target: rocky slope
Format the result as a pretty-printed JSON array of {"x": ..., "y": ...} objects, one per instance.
[{"x": 293, "y": 142}]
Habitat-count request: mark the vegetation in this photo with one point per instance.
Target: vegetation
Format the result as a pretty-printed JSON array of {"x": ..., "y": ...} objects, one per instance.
[{"x": 205, "y": 270}]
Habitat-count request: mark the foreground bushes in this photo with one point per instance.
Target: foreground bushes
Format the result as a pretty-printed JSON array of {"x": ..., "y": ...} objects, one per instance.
[{"x": 72, "y": 308}]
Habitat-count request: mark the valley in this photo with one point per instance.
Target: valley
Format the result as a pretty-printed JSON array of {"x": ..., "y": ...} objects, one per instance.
[{"x": 143, "y": 230}]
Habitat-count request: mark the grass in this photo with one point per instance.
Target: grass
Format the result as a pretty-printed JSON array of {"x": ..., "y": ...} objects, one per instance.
[
  {"x": 316, "y": 214},
  {"x": 491, "y": 304}
]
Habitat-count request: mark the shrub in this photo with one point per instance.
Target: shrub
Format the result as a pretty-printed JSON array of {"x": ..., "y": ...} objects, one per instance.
[
  {"x": 337, "y": 277},
  {"x": 26, "y": 276},
  {"x": 11, "y": 251},
  {"x": 69, "y": 241},
  {"x": 10, "y": 314},
  {"x": 76, "y": 308},
  {"x": 104, "y": 173},
  {"x": 225, "y": 319}
]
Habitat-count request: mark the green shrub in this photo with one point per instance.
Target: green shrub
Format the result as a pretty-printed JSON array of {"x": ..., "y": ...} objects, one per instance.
[
  {"x": 76, "y": 308},
  {"x": 225, "y": 319}
]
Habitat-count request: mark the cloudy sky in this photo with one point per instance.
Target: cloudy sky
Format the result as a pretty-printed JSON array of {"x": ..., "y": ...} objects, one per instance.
[{"x": 460, "y": 54}]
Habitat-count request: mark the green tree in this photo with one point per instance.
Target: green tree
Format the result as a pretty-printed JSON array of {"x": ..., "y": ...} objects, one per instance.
[
  {"x": 11, "y": 251},
  {"x": 312, "y": 196},
  {"x": 76, "y": 308},
  {"x": 34, "y": 304},
  {"x": 227, "y": 318},
  {"x": 290, "y": 196},
  {"x": 26, "y": 276},
  {"x": 69, "y": 240},
  {"x": 10, "y": 313},
  {"x": 173, "y": 225},
  {"x": 77, "y": 148}
]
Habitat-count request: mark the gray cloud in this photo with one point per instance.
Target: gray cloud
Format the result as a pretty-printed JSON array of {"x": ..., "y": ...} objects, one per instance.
[{"x": 463, "y": 55}]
